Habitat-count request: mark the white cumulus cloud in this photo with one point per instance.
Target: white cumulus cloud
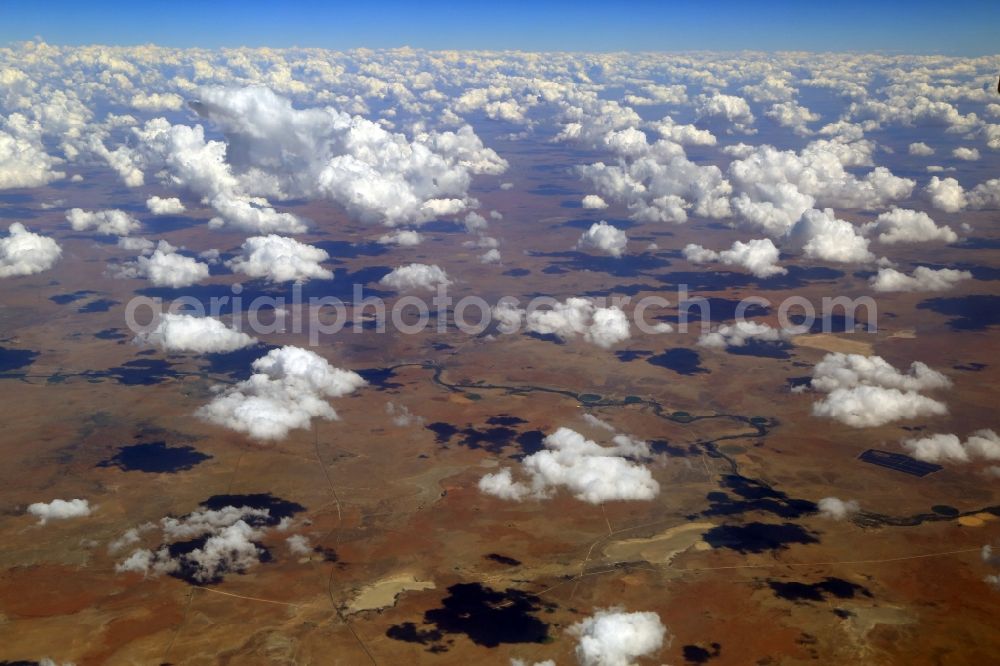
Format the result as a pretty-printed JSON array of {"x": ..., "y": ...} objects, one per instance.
[
  {"x": 187, "y": 333},
  {"x": 25, "y": 253},
  {"x": 604, "y": 237},
  {"x": 288, "y": 389},
  {"x": 280, "y": 259}
]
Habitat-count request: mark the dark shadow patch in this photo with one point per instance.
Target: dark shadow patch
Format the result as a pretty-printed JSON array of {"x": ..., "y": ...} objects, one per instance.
[
  {"x": 503, "y": 559},
  {"x": 157, "y": 225},
  {"x": 65, "y": 299},
  {"x": 486, "y": 616},
  {"x": 236, "y": 365},
  {"x": 155, "y": 458},
  {"x": 833, "y": 323},
  {"x": 279, "y": 508},
  {"x": 553, "y": 190},
  {"x": 530, "y": 442},
  {"x": 762, "y": 349},
  {"x": 329, "y": 554},
  {"x": 828, "y": 587},
  {"x": 681, "y": 360},
  {"x": 624, "y": 225},
  {"x": 758, "y": 537},
  {"x": 971, "y": 367},
  {"x": 348, "y": 250},
  {"x": 110, "y": 334},
  {"x": 629, "y": 265},
  {"x": 629, "y": 355},
  {"x": 699, "y": 310},
  {"x": 696, "y": 654},
  {"x": 664, "y": 447},
  {"x": 505, "y": 420},
  {"x": 546, "y": 337},
  {"x": 755, "y": 495},
  {"x": 969, "y": 313},
  {"x": 517, "y": 272},
  {"x": 140, "y": 372},
  {"x": 15, "y": 359},
  {"x": 379, "y": 378},
  {"x": 100, "y": 305},
  {"x": 443, "y": 432}
]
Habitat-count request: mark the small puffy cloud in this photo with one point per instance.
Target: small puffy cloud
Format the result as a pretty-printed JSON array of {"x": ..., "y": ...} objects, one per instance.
[
  {"x": 164, "y": 206},
  {"x": 109, "y": 222},
  {"x": 59, "y": 509},
  {"x": 401, "y": 416},
  {"x": 25, "y": 253},
  {"x": 186, "y": 333},
  {"x": 793, "y": 116},
  {"x": 136, "y": 244},
  {"x": 981, "y": 445},
  {"x": 288, "y": 389},
  {"x": 922, "y": 279},
  {"x": 157, "y": 101},
  {"x": 401, "y": 238},
  {"x": 164, "y": 268},
  {"x": 416, "y": 276},
  {"x": 837, "y": 509},
  {"x": 593, "y": 202},
  {"x": 593, "y": 473},
  {"x": 602, "y": 326},
  {"x": 490, "y": 257},
  {"x": 867, "y": 391},
  {"x": 966, "y": 154},
  {"x": 825, "y": 237},
  {"x": 901, "y": 225},
  {"x": 759, "y": 256},
  {"x": 946, "y": 194},
  {"x": 298, "y": 545},
  {"x": 613, "y": 637},
  {"x": 685, "y": 135},
  {"x": 741, "y": 333},
  {"x": 730, "y": 108},
  {"x": 604, "y": 237},
  {"x": 280, "y": 259},
  {"x": 920, "y": 149}
]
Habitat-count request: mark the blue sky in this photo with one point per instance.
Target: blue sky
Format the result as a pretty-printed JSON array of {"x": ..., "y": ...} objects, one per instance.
[{"x": 955, "y": 27}]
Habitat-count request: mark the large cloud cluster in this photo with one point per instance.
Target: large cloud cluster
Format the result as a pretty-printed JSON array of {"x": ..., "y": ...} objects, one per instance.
[
  {"x": 187, "y": 333},
  {"x": 25, "y": 253},
  {"x": 377, "y": 175},
  {"x": 288, "y": 389},
  {"x": 591, "y": 472},
  {"x": 867, "y": 391},
  {"x": 226, "y": 541}
]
